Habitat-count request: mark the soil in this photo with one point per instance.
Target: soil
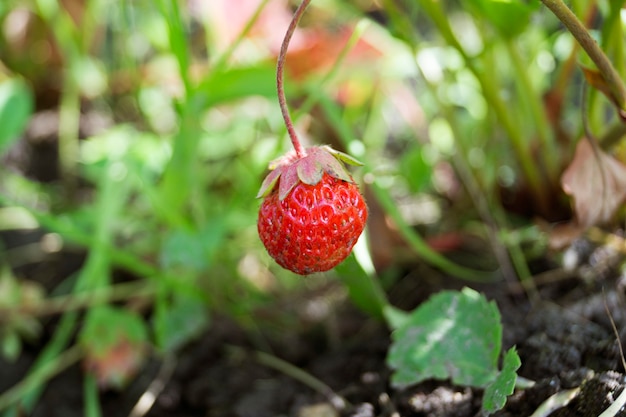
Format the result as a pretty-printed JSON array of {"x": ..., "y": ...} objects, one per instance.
[{"x": 566, "y": 343}]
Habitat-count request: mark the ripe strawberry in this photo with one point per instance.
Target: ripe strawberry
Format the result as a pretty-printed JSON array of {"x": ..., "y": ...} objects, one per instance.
[{"x": 313, "y": 212}]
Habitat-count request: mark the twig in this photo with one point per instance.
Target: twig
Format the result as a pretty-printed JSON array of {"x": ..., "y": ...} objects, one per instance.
[
  {"x": 578, "y": 30},
  {"x": 550, "y": 276},
  {"x": 612, "y": 136},
  {"x": 82, "y": 300},
  {"x": 148, "y": 398},
  {"x": 556, "y": 401},
  {"x": 620, "y": 401},
  {"x": 62, "y": 362},
  {"x": 304, "y": 377},
  {"x": 617, "y": 337},
  {"x": 617, "y": 405}
]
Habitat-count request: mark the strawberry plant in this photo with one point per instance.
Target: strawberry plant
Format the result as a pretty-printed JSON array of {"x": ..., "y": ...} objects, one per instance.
[
  {"x": 311, "y": 216},
  {"x": 134, "y": 137}
]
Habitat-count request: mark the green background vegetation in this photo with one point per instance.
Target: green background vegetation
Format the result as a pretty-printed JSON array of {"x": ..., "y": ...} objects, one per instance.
[{"x": 465, "y": 115}]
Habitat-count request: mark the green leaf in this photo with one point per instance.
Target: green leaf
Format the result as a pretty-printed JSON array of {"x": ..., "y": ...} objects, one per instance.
[
  {"x": 509, "y": 17},
  {"x": 115, "y": 344},
  {"x": 16, "y": 107},
  {"x": 192, "y": 250},
  {"x": 11, "y": 345},
  {"x": 455, "y": 335},
  {"x": 180, "y": 321},
  {"x": 416, "y": 170},
  {"x": 240, "y": 83},
  {"x": 269, "y": 182},
  {"x": 503, "y": 386},
  {"x": 106, "y": 326},
  {"x": 344, "y": 157}
]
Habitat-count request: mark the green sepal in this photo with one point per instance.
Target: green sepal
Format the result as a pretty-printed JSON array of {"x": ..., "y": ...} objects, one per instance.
[
  {"x": 344, "y": 157},
  {"x": 269, "y": 183},
  {"x": 309, "y": 171},
  {"x": 288, "y": 181},
  {"x": 288, "y": 171},
  {"x": 330, "y": 164}
]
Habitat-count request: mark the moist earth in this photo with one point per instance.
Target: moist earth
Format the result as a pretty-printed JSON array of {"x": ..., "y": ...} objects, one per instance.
[
  {"x": 565, "y": 340},
  {"x": 566, "y": 344}
]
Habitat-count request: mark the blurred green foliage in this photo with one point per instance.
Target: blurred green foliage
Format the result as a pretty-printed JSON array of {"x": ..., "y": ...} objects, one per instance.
[
  {"x": 16, "y": 106},
  {"x": 165, "y": 120}
]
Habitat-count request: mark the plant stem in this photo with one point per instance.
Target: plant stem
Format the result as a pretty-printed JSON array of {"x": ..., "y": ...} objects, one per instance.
[
  {"x": 91, "y": 398},
  {"x": 66, "y": 37},
  {"x": 415, "y": 241},
  {"x": 69, "y": 124},
  {"x": 93, "y": 275},
  {"x": 612, "y": 36},
  {"x": 612, "y": 136},
  {"x": 487, "y": 77},
  {"x": 532, "y": 99},
  {"x": 578, "y": 30},
  {"x": 280, "y": 70},
  {"x": 39, "y": 376},
  {"x": 419, "y": 245},
  {"x": 303, "y": 377},
  {"x": 149, "y": 397},
  {"x": 87, "y": 299}
]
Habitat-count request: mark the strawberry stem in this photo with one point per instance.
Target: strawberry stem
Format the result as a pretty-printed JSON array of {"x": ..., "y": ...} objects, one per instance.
[{"x": 280, "y": 69}]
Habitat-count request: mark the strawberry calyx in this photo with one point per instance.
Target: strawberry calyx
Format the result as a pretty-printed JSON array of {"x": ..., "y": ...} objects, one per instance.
[{"x": 289, "y": 170}]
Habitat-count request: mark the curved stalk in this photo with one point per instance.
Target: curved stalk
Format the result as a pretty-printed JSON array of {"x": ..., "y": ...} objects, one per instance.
[
  {"x": 591, "y": 47},
  {"x": 280, "y": 87}
]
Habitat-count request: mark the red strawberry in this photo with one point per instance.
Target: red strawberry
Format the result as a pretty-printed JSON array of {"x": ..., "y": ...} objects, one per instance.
[{"x": 313, "y": 212}]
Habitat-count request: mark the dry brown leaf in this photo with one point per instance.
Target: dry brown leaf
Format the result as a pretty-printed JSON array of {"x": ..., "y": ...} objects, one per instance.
[{"x": 596, "y": 182}]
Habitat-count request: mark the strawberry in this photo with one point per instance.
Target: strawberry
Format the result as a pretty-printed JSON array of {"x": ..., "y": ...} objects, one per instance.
[{"x": 313, "y": 212}]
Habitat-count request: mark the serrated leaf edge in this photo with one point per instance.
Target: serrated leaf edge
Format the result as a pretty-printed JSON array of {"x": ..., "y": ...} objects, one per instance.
[{"x": 511, "y": 363}]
